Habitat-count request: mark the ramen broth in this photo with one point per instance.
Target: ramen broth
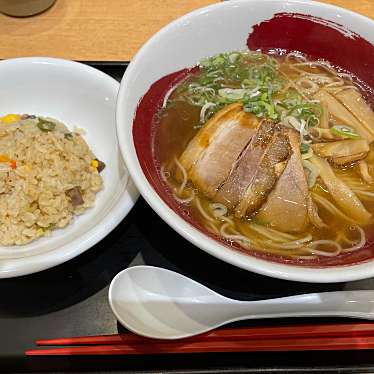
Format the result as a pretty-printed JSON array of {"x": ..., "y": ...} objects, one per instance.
[{"x": 292, "y": 96}]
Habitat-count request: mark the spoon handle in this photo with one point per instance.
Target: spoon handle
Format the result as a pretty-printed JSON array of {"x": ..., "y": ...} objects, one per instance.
[{"x": 354, "y": 304}]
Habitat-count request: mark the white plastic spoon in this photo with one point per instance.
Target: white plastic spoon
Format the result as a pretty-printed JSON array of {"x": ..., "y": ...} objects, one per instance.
[{"x": 160, "y": 303}]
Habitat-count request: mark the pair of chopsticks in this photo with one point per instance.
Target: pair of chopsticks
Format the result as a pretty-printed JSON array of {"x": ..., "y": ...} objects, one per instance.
[{"x": 348, "y": 336}]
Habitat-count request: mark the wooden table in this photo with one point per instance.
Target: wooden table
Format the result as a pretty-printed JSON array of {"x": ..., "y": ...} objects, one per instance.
[{"x": 104, "y": 30}]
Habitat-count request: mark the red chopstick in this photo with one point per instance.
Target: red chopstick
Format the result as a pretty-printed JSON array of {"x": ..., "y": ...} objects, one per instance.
[
  {"x": 349, "y": 336},
  {"x": 308, "y": 344},
  {"x": 315, "y": 331}
]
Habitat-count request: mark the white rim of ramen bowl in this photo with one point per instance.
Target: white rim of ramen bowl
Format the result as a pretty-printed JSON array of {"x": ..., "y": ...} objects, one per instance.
[
  {"x": 130, "y": 94},
  {"x": 67, "y": 243}
]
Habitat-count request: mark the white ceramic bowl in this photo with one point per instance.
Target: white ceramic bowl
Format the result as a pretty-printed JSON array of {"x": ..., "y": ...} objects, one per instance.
[
  {"x": 81, "y": 96},
  {"x": 206, "y": 32}
]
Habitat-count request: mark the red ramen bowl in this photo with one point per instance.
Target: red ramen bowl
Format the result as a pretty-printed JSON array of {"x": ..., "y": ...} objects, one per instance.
[{"x": 321, "y": 31}]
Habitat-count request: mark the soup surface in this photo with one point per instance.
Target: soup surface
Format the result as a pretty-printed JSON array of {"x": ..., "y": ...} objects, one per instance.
[{"x": 272, "y": 154}]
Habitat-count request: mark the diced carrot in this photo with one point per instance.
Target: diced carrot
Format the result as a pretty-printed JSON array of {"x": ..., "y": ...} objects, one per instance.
[{"x": 4, "y": 158}]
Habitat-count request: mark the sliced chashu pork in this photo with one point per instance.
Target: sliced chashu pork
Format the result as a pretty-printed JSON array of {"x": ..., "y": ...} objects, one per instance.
[
  {"x": 255, "y": 172},
  {"x": 289, "y": 206},
  {"x": 271, "y": 167},
  {"x": 210, "y": 155}
]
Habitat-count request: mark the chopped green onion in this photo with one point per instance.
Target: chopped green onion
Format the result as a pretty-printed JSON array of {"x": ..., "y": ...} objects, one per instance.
[
  {"x": 45, "y": 126},
  {"x": 248, "y": 83},
  {"x": 261, "y": 222},
  {"x": 68, "y": 135},
  {"x": 219, "y": 60},
  {"x": 264, "y": 96},
  {"x": 250, "y": 78},
  {"x": 233, "y": 57},
  {"x": 344, "y": 132},
  {"x": 232, "y": 93},
  {"x": 261, "y": 109},
  {"x": 304, "y": 148}
]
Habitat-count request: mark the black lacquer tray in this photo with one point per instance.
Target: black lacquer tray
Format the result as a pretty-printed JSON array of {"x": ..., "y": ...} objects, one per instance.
[{"x": 71, "y": 300}]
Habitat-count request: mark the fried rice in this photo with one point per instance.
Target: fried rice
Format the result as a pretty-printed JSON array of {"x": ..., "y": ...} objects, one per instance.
[{"x": 47, "y": 175}]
